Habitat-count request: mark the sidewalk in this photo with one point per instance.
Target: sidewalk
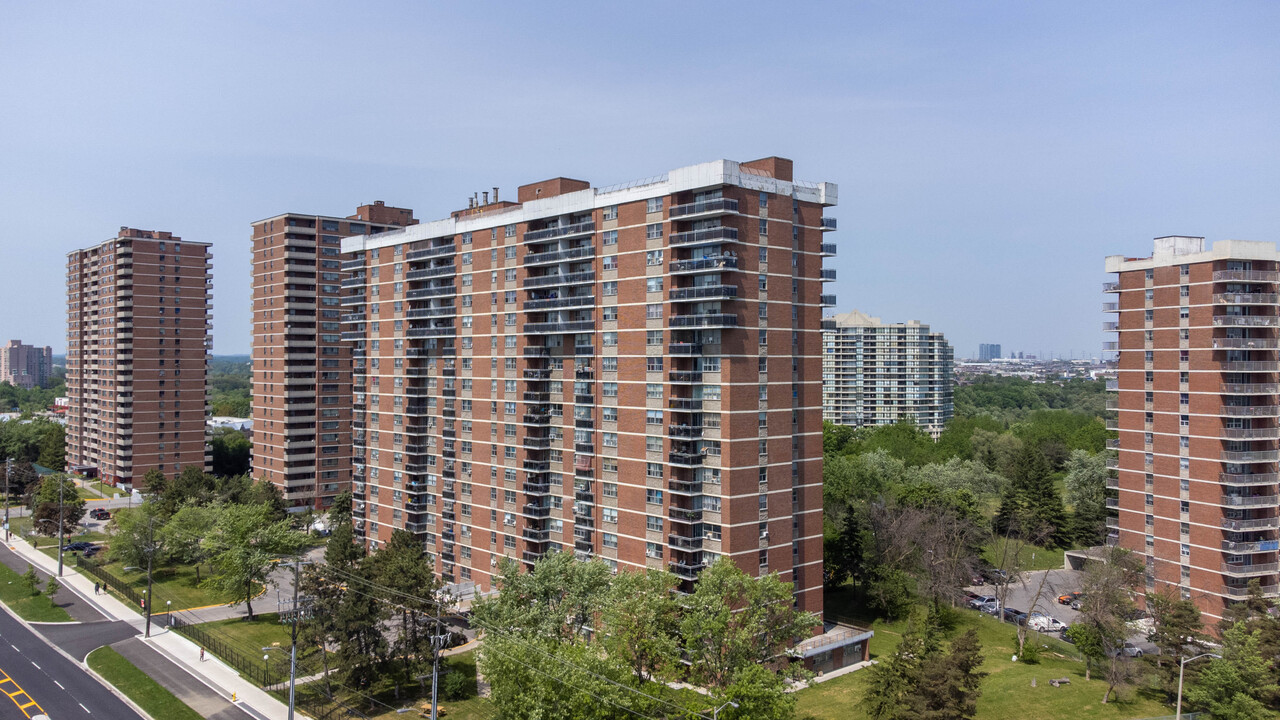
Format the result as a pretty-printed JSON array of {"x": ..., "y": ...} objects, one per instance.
[{"x": 180, "y": 651}]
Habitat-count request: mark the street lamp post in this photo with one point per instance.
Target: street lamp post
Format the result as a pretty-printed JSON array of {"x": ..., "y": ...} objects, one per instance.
[
  {"x": 1182, "y": 666},
  {"x": 168, "y": 611},
  {"x": 8, "y": 470},
  {"x": 716, "y": 713},
  {"x": 62, "y": 484}
]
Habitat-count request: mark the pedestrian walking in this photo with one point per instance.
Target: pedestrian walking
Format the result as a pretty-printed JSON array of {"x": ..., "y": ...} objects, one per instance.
[
  {"x": 201, "y": 654},
  {"x": 95, "y": 588}
]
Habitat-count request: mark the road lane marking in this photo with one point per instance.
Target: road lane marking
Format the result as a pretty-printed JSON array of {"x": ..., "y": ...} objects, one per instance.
[
  {"x": 82, "y": 707},
  {"x": 55, "y": 682},
  {"x": 14, "y": 696},
  {"x": 33, "y": 662}
]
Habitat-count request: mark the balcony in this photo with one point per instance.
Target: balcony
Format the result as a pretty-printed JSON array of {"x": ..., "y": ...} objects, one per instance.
[
  {"x": 709, "y": 320},
  {"x": 827, "y": 300},
  {"x": 1270, "y": 433},
  {"x": 685, "y": 377},
  {"x": 575, "y": 326},
  {"x": 556, "y": 256},
  {"x": 1243, "y": 570},
  {"x": 431, "y": 272},
  {"x": 582, "y": 228},
  {"x": 685, "y": 404},
  {"x": 1246, "y": 298},
  {"x": 828, "y": 275},
  {"x": 1266, "y": 523},
  {"x": 710, "y": 236},
  {"x": 705, "y": 292},
  {"x": 1241, "y": 548},
  {"x": 717, "y": 206},
  {"x": 1249, "y": 500},
  {"x": 688, "y": 432},
  {"x": 711, "y": 264},
  {"x": 1261, "y": 276},
  {"x": 686, "y": 544},
  {"x": 1110, "y": 287},
  {"x": 828, "y": 223},
  {"x": 1250, "y": 388},
  {"x": 430, "y": 252},
  {"x": 559, "y": 279},
  {"x": 1250, "y": 456},
  {"x": 1242, "y": 591},
  {"x": 1250, "y": 410},
  {"x": 1251, "y": 367},
  {"x": 537, "y": 351},
  {"x": 686, "y": 571},
  {"x": 536, "y": 535},
  {"x": 1110, "y": 307},
  {"x": 1246, "y": 321},
  {"x": 1248, "y": 479},
  {"x": 1245, "y": 343},
  {"x": 560, "y": 303},
  {"x": 1113, "y": 522},
  {"x": 683, "y": 515},
  {"x": 685, "y": 459}
]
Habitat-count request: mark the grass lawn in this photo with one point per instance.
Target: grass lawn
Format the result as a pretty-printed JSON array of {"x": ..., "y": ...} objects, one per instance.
[
  {"x": 1006, "y": 691},
  {"x": 387, "y": 705},
  {"x": 172, "y": 583},
  {"x": 1030, "y": 557},
  {"x": 35, "y": 608},
  {"x": 22, "y": 525},
  {"x": 147, "y": 693},
  {"x": 107, "y": 490},
  {"x": 266, "y": 630}
]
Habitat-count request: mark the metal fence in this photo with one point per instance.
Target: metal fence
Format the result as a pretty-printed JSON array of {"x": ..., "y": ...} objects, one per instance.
[
  {"x": 264, "y": 672},
  {"x": 119, "y": 585}
]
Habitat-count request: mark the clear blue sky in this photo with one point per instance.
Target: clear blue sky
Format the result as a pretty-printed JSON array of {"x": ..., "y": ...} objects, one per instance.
[{"x": 989, "y": 155}]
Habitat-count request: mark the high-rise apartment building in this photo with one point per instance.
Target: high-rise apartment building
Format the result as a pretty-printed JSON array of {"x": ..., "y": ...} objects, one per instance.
[
  {"x": 631, "y": 373},
  {"x": 25, "y": 366},
  {"x": 138, "y": 340},
  {"x": 301, "y": 367},
  {"x": 877, "y": 373},
  {"x": 988, "y": 352},
  {"x": 1197, "y": 401}
]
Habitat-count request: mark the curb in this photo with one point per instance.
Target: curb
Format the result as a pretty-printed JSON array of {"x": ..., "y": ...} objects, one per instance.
[{"x": 115, "y": 691}]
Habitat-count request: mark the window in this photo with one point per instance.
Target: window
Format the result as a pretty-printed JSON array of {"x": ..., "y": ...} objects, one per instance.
[
  {"x": 1184, "y": 312},
  {"x": 610, "y": 262},
  {"x": 653, "y": 257},
  {"x": 764, "y": 201},
  {"x": 609, "y": 288},
  {"x": 610, "y": 213},
  {"x": 611, "y": 439},
  {"x": 653, "y": 524},
  {"x": 764, "y": 227},
  {"x": 653, "y": 470},
  {"x": 653, "y": 311},
  {"x": 653, "y": 284},
  {"x": 652, "y": 417},
  {"x": 653, "y": 337},
  {"x": 610, "y": 389},
  {"x": 653, "y": 364},
  {"x": 609, "y": 364},
  {"x": 610, "y": 237},
  {"x": 653, "y": 232},
  {"x": 653, "y": 205},
  {"x": 653, "y": 550},
  {"x": 653, "y": 391},
  {"x": 610, "y": 339},
  {"x": 609, "y": 540},
  {"x": 609, "y": 414},
  {"x": 609, "y": 515}
]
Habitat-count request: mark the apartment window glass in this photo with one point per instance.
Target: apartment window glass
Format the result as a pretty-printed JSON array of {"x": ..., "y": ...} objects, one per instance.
[
  {"x": 653, "y": 311},
  {"x": 653, "y": 232},
  {"x": 653, "y": 205},
  {"x": 653, "y": 284},
  {"x": 609, "y": 288},
  {"x": 610, "y": 212},
  {"x": 610, "y": 237}
]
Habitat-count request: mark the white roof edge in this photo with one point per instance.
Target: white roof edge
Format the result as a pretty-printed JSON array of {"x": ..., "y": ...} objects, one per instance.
[
  {"x": 692, "y": 177},
  {"x": 1219, "y": 250}
]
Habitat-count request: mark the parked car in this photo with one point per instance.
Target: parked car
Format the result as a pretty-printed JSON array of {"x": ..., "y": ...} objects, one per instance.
[
  {"x": 981, "y": 600},
  {"x": 1014, "y": 615},
  {"x": 1069, "y": 598},
  {"x": 996, "y": 576},
  {"x": 92, "y": 550},
  {"x": 1044, "y": 623},
  {"x": 77, "y": 546},
  {"x": 100, "y": 514},
  {"x": 1075, "y": 604},
  {"x": 992, "y": 608},
  {"x": 1128, "y": 649}
]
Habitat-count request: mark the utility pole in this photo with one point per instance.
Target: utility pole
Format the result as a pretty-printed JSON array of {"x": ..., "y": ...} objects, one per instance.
[
  {"x": 151, "y": 551},
  {"x": 293, "y": 640},
  {"x": 62, "y": 484},
  {"x": 8, "y": 470},
  {"x": 435, "y": 666}
]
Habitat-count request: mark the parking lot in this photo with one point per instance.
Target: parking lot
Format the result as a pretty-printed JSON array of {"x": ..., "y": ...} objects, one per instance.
[{"x": 1023, "y": 595}]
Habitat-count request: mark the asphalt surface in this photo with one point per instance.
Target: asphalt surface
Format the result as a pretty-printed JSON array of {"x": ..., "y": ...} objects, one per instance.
[
  {"x": 60, "y": 688},
  {"x": 181, "y": 683}
]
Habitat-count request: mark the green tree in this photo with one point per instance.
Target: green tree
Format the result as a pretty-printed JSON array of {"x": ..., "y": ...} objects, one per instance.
[
  {"x": 733, "y": 620},
  {"x": 155, "y": 483},
  {"x": 1032, "y": 499},
  {"x": 401, "y": 566},
  {"x": 231, "y": 452},
  {"x": 892, "y": 683},
  {"x": 46, "y": 511},
  {"x": 1106, "y": 607},
  {"x": 137, "y": 532},
  {"x": 53, "y": 448},
  {"x": 1088, "y": 641},
  {"x": 641, "y": 622},
  {"x": 183, "y": 535},
  {"x": 325, "y": 625},
  {"x": 52, "y": 586},
  {"x": 1176, "y": 632},
  {"x": 558, "y": 599},
  {"x": 1233, "y": 688},
  {"x": 1086, "y": 486},
  {"x": 266, "y": 493},
  {"x": 30, "y": 580},
  {"x": 242, "y": 546},
  {"x": 760, "y": 695},
  {"x": 949, "y": 685}
]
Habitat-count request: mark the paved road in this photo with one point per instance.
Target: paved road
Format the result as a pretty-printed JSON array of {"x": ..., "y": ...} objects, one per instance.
[{"x": 59, "y": 687}]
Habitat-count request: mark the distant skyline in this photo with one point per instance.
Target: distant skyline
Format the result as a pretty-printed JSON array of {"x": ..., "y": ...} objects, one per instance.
[{"x": 989, "y": 155}]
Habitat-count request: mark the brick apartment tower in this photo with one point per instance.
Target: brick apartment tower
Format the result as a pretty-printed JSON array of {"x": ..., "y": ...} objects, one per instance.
[
  {"x": 1197, "y": 408},
  {"x": 25, "y": 366},
  {"x": 301, "y": 369},
  {"x": 138, "y": 340},
  {"x": 631, "y": 373}
]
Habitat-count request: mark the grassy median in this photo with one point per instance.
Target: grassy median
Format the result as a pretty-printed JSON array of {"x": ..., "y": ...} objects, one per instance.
[
  {"x": 141, "y": 689},
  {"x": 31, "y": 607}
]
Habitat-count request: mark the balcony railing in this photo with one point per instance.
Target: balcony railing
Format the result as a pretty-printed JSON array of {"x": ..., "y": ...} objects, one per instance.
[
  {"x": 1241, "y": 366},
  {"x": 1262, "y": 276},
  {"x": 1246, "y": 321},
  {"x": 1240, "y": 548},
  {"x": 1249, "y": 500},
  {"x": 704, "y": 207},
  {"x": 1245, "y": 343},
  {"x": 559, "y": 255},
  {"x": 1250, "y": 410},
  {"x": 1110, "y": 287},
  {"x": 1248, "y": 479},
  {"x": 705, "y": 292},
  {"x": 560, "y": 327},
  {"x": 559, "y": 303},
  {"x": 1250, "y": 456},
  {"x": 1250, "y": 433},
  {"x": 1246, "y": 298},
  {"x": 581, "y": 228},
  {"x": 709, "y": 236},
  {"x": 1250, "y": 388},
  {"x": 710, "y": 264},
  {"x": 558, "y": 279},
  {"x": 1243, "y": 590},
  {"x": 708, "y": 320},
  {"x": 1266, "y": 523},
  {"x": 1242, "y": 570},
  {"x": 429, "y": 252}
]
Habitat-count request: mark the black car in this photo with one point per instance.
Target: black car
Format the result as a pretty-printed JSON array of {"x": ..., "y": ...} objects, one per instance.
[
  {"x": 92, "y": 550},
  {"x": 100, "y": 514},
  {"x": 77, "y": 546},
  {"x": 1014, "y": 615}
]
